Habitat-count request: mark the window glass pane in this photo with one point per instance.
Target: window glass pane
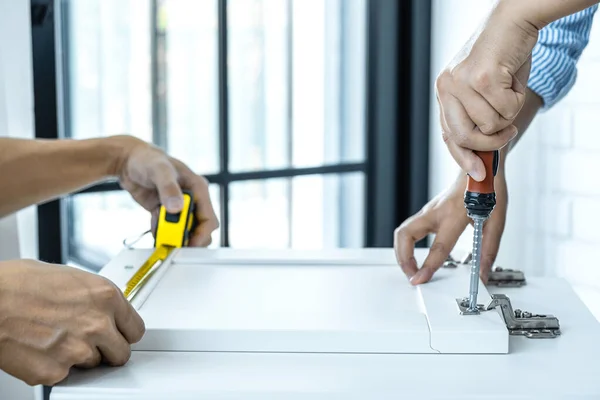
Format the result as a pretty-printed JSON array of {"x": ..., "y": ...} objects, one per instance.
[
  {"x": 108, "y": 75},
  {"x": 110, "y": 80},
  {"x": 188, "y": 81},
  {"x": 259, "y": 214},
  {"x": 258, "y": 51},
  {"x": 296, "y": 82},
  {"x": 316, "y": 211},
  {"x": 328, "y": 211},
  {"x": 328, "y": 81},
  {"x": 99, "y": 222}
]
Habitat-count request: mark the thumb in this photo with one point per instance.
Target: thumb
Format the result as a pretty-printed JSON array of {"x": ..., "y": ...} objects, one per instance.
[
  {"x": 492, "y": 235},
  {"x": 164, "y": 177}
]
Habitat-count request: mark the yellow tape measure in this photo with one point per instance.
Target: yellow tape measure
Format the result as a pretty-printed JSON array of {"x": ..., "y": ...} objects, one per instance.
[{"x": 172, "y": 231}]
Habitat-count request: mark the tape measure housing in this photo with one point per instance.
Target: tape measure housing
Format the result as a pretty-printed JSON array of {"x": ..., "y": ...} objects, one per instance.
[{"x": 173, "y": 230}]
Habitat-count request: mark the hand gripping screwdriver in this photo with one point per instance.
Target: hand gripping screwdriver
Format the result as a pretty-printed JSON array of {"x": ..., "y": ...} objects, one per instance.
[{"x": 480, "y": 200}]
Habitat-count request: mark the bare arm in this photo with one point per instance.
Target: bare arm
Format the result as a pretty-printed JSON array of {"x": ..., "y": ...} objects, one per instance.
[{"x": 35, "y": 171}]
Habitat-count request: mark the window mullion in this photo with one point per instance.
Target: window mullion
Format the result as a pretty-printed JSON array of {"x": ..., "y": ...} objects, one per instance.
[
  {"x": 223, "y": 119},
  {"x": 290, "y": 116}
]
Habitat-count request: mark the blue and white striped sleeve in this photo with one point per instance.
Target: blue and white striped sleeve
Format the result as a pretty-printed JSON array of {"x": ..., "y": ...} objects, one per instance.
[{"x": 555, "y": 56}]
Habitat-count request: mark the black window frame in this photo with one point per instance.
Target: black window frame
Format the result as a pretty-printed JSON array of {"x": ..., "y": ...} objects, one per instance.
[{"x": 397, "y": 119}]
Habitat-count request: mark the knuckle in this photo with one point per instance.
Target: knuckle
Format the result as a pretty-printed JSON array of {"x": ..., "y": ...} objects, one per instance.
[
  {"x": 489, "y": 128},
  {"x": 203, "y": 180},
  {"x": 106, "y": 291},
  {"x": 508, "y": 111},
  {"x": 439, "y": 247},
  {"x": 50, "y": 376},
  {"x": 461, "y": 140},
  {"x": 482, "y": 80},
  {"x": 122, "y": 358},
  {"x": 98, "y": 326},
  {"x": 139, "y": 332},
  {"x": 398, "y": 232},
  {"x": 445, "y": 136},
  {"x": 82, "y": 353},
  {"x": 442, "y": 82},
  {"x": 403, "y": 230}
]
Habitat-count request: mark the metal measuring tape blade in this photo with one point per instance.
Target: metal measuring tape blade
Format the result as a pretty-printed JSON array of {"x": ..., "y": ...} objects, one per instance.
[{"x": 172, "y": 231}]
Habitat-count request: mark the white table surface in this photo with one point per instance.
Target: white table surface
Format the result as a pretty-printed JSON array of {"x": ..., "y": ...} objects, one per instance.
[{"x": 564, "y": 368}]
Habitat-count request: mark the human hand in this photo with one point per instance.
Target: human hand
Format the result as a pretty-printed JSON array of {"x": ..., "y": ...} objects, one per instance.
[
  {"x": 153, "y": 178},
  {"x": 446, "y": 217},
  {"x": 481, "y": 92},
  {"x": 54, "y": 317}
]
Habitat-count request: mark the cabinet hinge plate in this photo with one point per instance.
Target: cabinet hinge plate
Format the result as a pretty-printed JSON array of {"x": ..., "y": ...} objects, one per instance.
[
  {"x": 501, "y": 277},
  {"x": 517, "y": 322}
]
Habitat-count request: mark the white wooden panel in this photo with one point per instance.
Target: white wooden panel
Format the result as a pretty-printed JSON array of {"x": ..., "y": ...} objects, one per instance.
[
  {"x": 336, "y": 301},
  {"x": 452, "y": 333},
  {"x": 535, "y": 369}
]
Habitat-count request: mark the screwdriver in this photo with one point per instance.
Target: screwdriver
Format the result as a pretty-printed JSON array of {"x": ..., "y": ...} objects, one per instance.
[{"x": 480, "y": 200}]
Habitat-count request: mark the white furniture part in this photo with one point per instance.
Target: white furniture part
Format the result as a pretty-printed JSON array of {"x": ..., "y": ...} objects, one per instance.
[
  {"x": 562, "y": 368},
  {"x": 337, "y": 301}
]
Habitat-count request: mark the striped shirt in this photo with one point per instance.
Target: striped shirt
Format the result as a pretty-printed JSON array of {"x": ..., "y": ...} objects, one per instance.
[{"x": 555, "y": 56}]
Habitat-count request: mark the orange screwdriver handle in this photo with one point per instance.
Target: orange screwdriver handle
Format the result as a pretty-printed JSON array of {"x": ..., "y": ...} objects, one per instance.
[{"x": 490, "y": 160}]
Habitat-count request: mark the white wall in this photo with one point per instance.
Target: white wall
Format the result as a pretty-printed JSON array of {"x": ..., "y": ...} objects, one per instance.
[
  {"x": 553, "y": 223},
  {"x": 16, "y": 97},
  {"x": 18, "y": 233}
]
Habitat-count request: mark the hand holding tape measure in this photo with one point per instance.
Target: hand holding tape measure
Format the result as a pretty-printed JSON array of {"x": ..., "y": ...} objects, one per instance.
[{"x": 173, "y": 230}]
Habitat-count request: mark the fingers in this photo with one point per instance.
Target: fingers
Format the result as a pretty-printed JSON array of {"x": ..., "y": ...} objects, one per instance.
[
  {"x": 481, "y": 113},
  {"x": 145, "y": 197},
  {"x": 78, "y": 352},
  {"x": 93, "y": 359},
  {"x": 463, "y": 131},
  {"x": 165, "y": 178},
  {"x": 114, "y": 348},
  {"x": 464, "y": 157},
  {"x": 499, "y": 90},
  {"x": 154, "y": 220},
  {"x": 127, "y": 320},
  {"x": 467, "y": 160},
  {"x": 205, "y": 214},
  {"x": 445, "y": 240},
  {"x": 207, "y": 219},
  {"x": 405, "y": 237}
]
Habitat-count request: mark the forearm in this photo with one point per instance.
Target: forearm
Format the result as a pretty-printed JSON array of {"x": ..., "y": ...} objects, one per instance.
[
  {"x": 35, "y": 171},
  {"x": 540, "y": 13}
]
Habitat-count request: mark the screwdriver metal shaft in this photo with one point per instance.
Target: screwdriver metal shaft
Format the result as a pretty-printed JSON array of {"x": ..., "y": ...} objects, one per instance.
[
  {"x": 475, "y": 262},
  {"x": 480, "y": 200}
]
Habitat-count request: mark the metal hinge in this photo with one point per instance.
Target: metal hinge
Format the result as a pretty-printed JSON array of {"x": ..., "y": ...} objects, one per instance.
[
  {"x": 501, "y": 277},
  {"x": 506, "y": 277},
  {"x": 518, "y": 322}
]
